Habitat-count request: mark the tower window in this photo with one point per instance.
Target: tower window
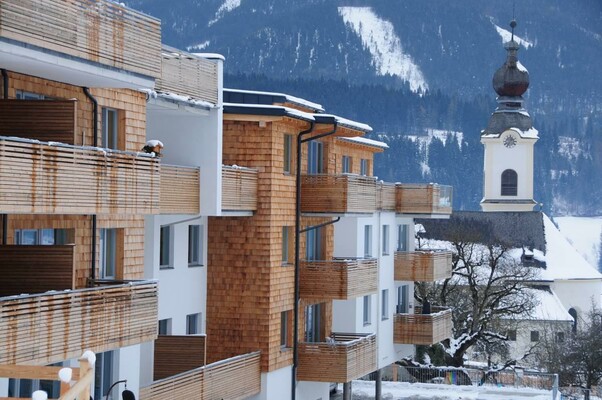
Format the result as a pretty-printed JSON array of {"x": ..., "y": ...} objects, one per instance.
[{"x": 509, "y": 182}]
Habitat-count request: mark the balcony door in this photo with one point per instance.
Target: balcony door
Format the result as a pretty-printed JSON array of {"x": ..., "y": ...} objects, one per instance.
[
  {"x": 314, "y": 248},
  {"x": 315, "y": 158},
  {"x": 403, "y": 298},
  {"x": 111, "y": 253},
  {"x": 313, "y": 323}
]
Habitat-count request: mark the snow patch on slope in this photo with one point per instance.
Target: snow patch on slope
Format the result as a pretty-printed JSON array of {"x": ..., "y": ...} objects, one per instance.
[
  {"x": 378, "y": 36},
  {"x": 225, "y": 8},
  {"x": 506, "y": 35},
  {"x": 584, "y": 234}
]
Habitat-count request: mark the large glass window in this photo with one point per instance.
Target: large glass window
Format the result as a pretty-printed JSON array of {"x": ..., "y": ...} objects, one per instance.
[
  {"x": 313, "y": 248},
  {"x": 41, "y": 236},
  {"x": 509, "y": 183},
  {"x": 195, "y": 245},
  {"x": 315, "y": 157},
  {"x": 105, "y": 373}
]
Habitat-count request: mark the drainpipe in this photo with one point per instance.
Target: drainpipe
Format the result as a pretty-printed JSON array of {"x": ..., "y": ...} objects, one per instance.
[
  {"x": 300, "y": 141},
  {"x": 95, "y": 142},
  {"x": 4, "y": 216}
]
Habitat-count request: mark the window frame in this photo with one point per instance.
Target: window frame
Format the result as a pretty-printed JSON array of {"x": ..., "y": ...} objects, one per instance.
[
  {"x": 193, "y": 321},
  {"x": 403, "y": 299},
  {"x": 108, "y": 253},
  {"x": 367, "y": 310},
  {"x": 384, "y": 314},
  {"x": 164, "y": 326},
  {"x": 385, "y": 240},
  {"x": 287, "y": 160},
  {"x": 165, "y": 247},
  {"x": 346, "y": 164},
  {"x": 402, "y": 237},
  {"x": 364, "y": 166},
  {"x": 195, "y": 246},
  {"x": 110, "y": 140},
  {"x": 285, "y": 330},
  {"x": 367, "y": 241},
  {"x": 535, "y": 337},
  {"x": 509, "y": 183},
  {"x": 285, "y": 246}
]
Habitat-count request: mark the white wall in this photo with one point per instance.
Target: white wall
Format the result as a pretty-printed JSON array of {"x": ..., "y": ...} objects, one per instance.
[
  {"x": 578, "y": 294},
  {"x": 275, "y": 385}
]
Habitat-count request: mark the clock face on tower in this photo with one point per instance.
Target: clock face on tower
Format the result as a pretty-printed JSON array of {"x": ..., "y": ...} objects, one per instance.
[{"x": 510, "y": 141}]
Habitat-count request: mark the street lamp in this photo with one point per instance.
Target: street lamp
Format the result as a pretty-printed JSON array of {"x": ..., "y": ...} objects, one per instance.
[{"x": 125, "y": 395}]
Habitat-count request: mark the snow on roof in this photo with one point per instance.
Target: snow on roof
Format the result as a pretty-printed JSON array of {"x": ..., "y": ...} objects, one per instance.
[
  {"x": 349, "y": 123},
  {"x": 531, "y": 133},
  {"x": 521, "y": 67},
  {"x": 291, "y": 112},
  {"x": 210, "y": 56},
  {"x": 584, "y": 234},
  {"x": 190, "y": 101},
  {"x": 563, "y": 261},
  {"x": 291, "y": 99},
  {"x": 549, "y": 307},
  {"x": 366, "y": 141}
]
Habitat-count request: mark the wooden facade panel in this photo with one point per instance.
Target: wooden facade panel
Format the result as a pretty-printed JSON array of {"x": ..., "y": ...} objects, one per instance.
[
  {"x": 423, "y": 199},
  {"x": 338, "y": 194},
  {"x": 35, "y": 269},
  {"x": 385, "y": 195},
  {"x": 344, "y": 358},
  {"x": 425, "y": 329},
  {"x": 51, "y": 327},
  {"x": 423, "y": 266},
  {"x": 180, "y": 190},
  {"x": 177, "y": 354},
  {"x": 338, "y": 279},
  {"x": 95, "y": 30},
  {"x": 45, "y": 120},
  {"x": 40, "y": 178},
  {"x": 239, "y": 189},
  {"x": 235, "y": 378}
]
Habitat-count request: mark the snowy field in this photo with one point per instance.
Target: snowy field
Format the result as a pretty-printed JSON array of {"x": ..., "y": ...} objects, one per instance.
[
  {"x": 584, "y": 234},
  {"x": 364, "y": 390}
]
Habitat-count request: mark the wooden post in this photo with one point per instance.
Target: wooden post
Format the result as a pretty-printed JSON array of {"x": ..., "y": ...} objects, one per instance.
[
  {"x": 84, "y": 368},
  {"x": 377, "y": 385}
]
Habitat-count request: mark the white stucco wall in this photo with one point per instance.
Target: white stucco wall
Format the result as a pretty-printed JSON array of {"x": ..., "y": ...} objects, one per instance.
[
  {"x": 275, "y": 384},
  {"x": 579, "y": 294}
]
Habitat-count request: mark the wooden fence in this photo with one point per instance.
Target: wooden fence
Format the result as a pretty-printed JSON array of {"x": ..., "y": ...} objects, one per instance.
[
  {"x": 235, "y": 378},
  {"x": 55, "y": 326},
  {"x": 338, "y": 194},
  {"x": 424, "y": 329},
  {"x": 180, "y": 190},
  {"x": 338, "y": 279},
  {"x": 177, "y": 354},
  {"x": 423, "y": 266},
  {"x": 45, "y": 178},
  {"x": 94, "y": 30},
  {"x": 385, "y": 194},
  {"x": 423, "y": 199},
  {"x": 239, "y": 189},
  {"x": 349, "y": 356}
]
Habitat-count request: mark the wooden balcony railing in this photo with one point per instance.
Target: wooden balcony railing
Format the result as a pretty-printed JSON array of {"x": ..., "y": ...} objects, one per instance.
[
  {"x": 338, "y": 279},
  {"x": 46, "y": 178},
  {"x": 94, "y": 30},
  {"x": 56, "y": 326},
  {"x": 239, "y": 189},
  {"x": 424, "y": 329},
  {"x": 180, "y": 190},
  {"x": 423, "y": 199},
  {"x": 176, "y": 354},
  {"x": 423, "y": 265},
  {"x": 186, "y": 74},
  {"x": 349, "y": 356},
  {"x": 235, "y": 378},
  {"x": 385, "y": 194},
  {"x": 338, "y": 194}
]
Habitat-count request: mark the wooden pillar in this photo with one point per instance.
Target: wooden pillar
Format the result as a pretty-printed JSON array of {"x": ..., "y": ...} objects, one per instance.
[
  {"x": 377, "y": 385},
  {"x": 347, "y": 391},
  {"x": 395, "y": 370}
]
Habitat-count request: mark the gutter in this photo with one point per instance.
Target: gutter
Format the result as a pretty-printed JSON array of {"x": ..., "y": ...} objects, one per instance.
[{"x": 94, "y": 218}]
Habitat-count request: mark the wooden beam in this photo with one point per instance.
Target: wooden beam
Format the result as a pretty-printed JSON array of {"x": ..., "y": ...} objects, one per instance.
[{"x": 34, "y": 372}]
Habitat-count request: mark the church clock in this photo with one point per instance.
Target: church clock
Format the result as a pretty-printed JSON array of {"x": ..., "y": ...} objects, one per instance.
[{"x": 510, "y": 141}]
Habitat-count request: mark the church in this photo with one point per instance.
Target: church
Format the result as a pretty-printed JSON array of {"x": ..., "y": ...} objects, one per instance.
[{"x": 566, "y": 285}]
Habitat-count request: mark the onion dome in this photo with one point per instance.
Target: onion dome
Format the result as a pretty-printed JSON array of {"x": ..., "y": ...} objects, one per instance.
[{"x": 511, "y": 79}]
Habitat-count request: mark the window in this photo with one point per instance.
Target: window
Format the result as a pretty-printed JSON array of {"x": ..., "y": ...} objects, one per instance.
[
  {"x": 509, "y": 182},
  {"x": 288, "y": 159},
  {"x": 313, "y": 325},
  {"x": 402, "y": 299},
  {"x": 368, "y": 241},
  {"x": 105, "y": 373},
  {"x": 286, "y": 245},
  {"x": 559, "y": 337},
  {"x": 108, "y": 253},
  {"x": 313, "y": 245},
  {"x": 22, "y": 95},
  {"x": 315, "y": 157},
  {"x": 165, "y": 247},
  {"x": 402, "y": 238},
  {"x": 285, "y": 329},
  {"x": 535, "y": 336},
  {"x": 573, "y": 313},
  {"x": 41, "y": 236},
  {"x": 346, "y": 165},
  {"x": 385, "y": 305},
  {"x": 193, "y": 324},
  {"x": 385, "y": 240},
  {"x": 364, "y": 167},
  {"x": 367, "y": 307},
  {"x": 511, "y": 334},
  {"x": 110, "y": 128},
  {"x": 195, "y": 245},
  {"x": 165, "y": 326}
]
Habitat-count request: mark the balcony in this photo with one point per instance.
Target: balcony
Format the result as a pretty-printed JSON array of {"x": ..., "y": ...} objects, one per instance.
[
  {"x": 385, "y": 195},
  {"x": 347, "y": 357},
  {"x": 180, "y": 190},
  {"x": 426, "y": 329},
  {"x": 239, "y": 189},
  {"x": 189, "y": 75},
  {"x": 338, "y": 279},
  {"x": 53, "y": 178},
  {"x": 234, "y": 378},
  {"x": 423, "y": 199},
  {"x": 55, "y": 326},
  {"x": 423, "y": 265},
  {"x": 338, "y": 194},
  {"x": 94, "y": 31},
  {"x": 177, "y": 354}
]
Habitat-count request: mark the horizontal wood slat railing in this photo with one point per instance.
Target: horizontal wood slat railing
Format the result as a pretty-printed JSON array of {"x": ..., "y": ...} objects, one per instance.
[
  {"x": 94, "y": 30},
  {"x": 424, "y": 329},
  {"x": 186, "y": 74},
  {"x": 180, "y": 190},
  {"x": 239, "y": 189},
  {"x": 423, "y": 265},
  {"x": 423, "y": 199},
  {"x": 348, "y": 356},
  {"x": 338, "y": 279},
  {"x": 338, "y": 194},
  {"x": 35, "y": 269},
  {"x": 46, "y": 120},
  {"x": 385, "y": 196},
  {"x": 235, "y": 378},
  {"x": 56, "y": 326},
  {"x": 46, "y": 178},
  {"x": 177, "y": 354}
]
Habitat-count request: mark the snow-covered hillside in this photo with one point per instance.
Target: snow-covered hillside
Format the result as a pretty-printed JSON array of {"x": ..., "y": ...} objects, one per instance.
[{"x": 584, "y": 234}]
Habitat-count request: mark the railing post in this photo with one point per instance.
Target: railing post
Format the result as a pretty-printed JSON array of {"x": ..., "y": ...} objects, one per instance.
[
  {"x": 347, "y": 391},
  {"x": 378, "y": 385}
]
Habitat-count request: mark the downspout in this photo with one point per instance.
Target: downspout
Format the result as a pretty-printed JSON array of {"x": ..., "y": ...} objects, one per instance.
[
  {"x": 4, "y": 216},
  {"x": 95, "y": 143},
  {"x": 300, "y": 141}
]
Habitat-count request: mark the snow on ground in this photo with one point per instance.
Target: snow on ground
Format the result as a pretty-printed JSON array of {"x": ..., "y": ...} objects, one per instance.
[
  {"x": 379, "y": 37},
  {"x": 506, "y": 35},
  {"x": 226, "y": 7},
  {"x": 584, "y": 234},
  {"x": 364, "y": 390}
]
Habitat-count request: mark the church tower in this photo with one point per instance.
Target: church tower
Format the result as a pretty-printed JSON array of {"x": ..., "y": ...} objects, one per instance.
[{"x": 509, "y": 140}]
